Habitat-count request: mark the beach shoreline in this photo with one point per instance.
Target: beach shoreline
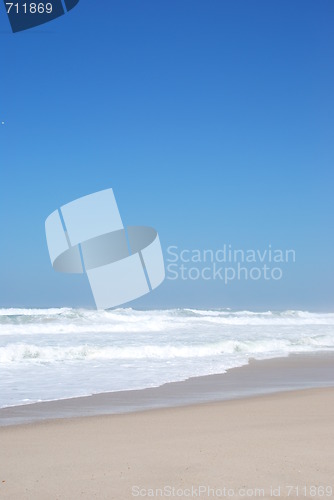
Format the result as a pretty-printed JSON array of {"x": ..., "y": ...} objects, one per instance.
[
  {"x": 264, "y": 430},
  {"x": 266, "y": 446},
  {"x": 258, "y": 377}
]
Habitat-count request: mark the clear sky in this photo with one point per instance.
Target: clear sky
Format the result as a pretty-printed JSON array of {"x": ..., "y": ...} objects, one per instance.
[{"x": 211, "y": 120}]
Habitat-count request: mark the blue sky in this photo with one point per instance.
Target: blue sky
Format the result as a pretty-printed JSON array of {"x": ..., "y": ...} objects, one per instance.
[{"x": 212, "y": 122}]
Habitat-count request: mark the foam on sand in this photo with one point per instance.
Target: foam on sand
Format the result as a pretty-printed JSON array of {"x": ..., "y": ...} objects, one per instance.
[{"x": 57, "y": 353}]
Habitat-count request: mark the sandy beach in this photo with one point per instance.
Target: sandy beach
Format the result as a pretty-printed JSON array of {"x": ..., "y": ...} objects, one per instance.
[
  {"x": 265, "y": 446},
  {"x": 256, "y": 444}
]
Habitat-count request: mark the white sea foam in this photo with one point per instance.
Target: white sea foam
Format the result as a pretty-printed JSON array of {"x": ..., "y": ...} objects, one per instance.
[{"x": 57, "y": 353}]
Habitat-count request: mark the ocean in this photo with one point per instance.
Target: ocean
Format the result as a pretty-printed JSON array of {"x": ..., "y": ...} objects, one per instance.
[{"x": 58, "y": 353}]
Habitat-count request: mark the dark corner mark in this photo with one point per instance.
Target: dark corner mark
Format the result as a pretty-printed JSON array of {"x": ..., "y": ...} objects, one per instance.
[{"x": 26, "y": 14}]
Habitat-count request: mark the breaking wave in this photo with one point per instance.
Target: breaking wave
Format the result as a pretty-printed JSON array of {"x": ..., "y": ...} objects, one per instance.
[{"x": 62, "y": 352}]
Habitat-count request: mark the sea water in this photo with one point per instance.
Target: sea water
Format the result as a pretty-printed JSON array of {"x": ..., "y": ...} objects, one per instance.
[{"x": 50, "y": 354}]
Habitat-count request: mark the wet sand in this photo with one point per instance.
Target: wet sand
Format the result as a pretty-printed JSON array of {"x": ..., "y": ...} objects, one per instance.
[{"x": 256, "y": 378}]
